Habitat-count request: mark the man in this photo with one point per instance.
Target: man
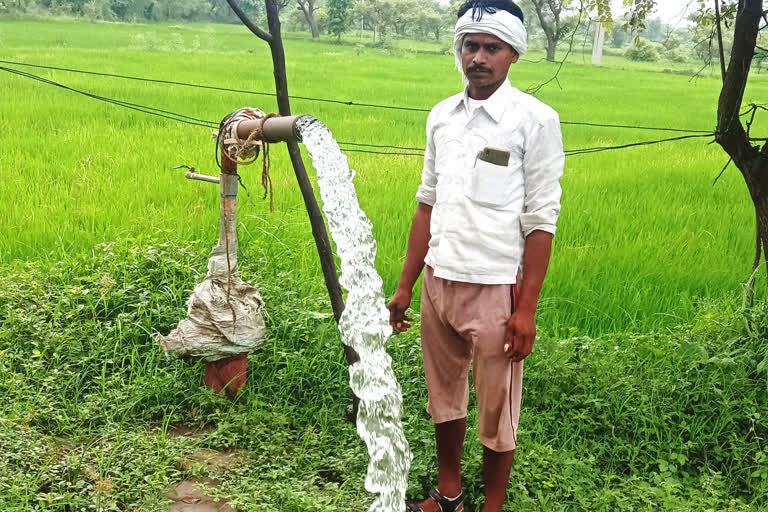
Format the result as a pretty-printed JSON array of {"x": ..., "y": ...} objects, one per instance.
[{"x": 488, "y": 205}]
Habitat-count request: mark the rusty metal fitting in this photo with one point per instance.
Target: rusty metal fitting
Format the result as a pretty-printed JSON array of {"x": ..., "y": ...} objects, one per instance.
[{"x": 270, "y": 129}]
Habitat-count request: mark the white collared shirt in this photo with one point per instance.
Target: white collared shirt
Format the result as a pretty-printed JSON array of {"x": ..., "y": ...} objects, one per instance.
[{"x": 482, "y": 212}]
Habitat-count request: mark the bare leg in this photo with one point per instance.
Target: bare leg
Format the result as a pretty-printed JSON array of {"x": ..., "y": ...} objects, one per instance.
[
  {"x": 450, "y": 441},
  {"x": 496, "y": 468}
]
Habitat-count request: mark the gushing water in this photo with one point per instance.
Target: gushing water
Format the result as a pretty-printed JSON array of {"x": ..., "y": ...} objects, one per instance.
[{"x": 364, "y": 325}]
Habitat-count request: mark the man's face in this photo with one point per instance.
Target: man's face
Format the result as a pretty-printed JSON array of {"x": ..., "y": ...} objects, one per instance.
[{"x": 485, "y": 60}]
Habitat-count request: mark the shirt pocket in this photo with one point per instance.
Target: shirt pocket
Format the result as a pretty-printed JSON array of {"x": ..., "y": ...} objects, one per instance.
[{"x": 489, "y": 184}]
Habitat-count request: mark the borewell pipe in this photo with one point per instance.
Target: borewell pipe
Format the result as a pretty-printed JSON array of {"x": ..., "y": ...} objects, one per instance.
[{"x": 229, "y": 373}]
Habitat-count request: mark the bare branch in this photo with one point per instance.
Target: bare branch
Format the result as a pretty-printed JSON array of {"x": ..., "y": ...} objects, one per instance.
[
  {"x": 708, "y": 57},
  {"x": 720, "y": 39},
  {"x": 721, "y": 172},
  {"x": 248, "y": 23},
  {"x": 535, "y": 89},
  {"x": 731, "y": 134}
]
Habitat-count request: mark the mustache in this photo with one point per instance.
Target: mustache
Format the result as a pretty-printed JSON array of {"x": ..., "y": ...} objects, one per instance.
[{"x": 472, "y": 69}]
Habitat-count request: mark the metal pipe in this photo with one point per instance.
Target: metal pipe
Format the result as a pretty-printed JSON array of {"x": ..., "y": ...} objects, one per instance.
[
  {"x": 202, "y": 177},
  {"x": 274, "y": 129},
  {"x": 229, "y": 373},
  {"x": 228, "y": 219}
]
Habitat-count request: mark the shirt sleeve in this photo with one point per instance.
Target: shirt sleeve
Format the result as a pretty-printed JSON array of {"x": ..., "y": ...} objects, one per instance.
[
  {"x": 543, "y": 164},
  {"x": 427, "y": 193}
]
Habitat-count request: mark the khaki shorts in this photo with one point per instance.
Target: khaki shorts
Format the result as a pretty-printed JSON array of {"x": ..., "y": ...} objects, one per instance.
[{"x": 463, "y": 324}]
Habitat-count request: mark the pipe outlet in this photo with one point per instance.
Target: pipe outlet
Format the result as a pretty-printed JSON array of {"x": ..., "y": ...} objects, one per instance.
[{"x": 273, "y": 129}]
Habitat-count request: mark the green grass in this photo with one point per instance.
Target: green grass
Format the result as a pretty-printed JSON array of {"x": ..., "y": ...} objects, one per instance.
[
  {"x": 655, "y": 400},
  {"x": 669, "y": 420},
  {"x": 642, "y": 237}
]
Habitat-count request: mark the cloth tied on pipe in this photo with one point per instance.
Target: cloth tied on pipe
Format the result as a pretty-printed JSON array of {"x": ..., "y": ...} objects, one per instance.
[{"x": 224, "y": 314}]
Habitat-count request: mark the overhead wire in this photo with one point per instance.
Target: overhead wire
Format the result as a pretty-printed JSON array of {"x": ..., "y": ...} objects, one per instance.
[
  {"x": 326, "y": 100},
  {"x": 583, "y": 151},
  {"x": 399, "y": 150},
  {"x": 132, "y": 106},
  {"x": 215, "y": 88}
]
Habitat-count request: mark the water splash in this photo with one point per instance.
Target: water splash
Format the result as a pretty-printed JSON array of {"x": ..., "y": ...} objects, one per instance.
[{"x": 364, "y": 325}]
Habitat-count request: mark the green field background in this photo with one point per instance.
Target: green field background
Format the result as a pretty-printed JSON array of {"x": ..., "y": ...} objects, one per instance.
[
  {"x": 646, "y": 389},
  {"x": 643, "y": 234}
]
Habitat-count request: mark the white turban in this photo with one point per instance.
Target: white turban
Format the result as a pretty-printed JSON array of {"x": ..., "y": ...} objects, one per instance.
[{"x": 502, "y": 24}]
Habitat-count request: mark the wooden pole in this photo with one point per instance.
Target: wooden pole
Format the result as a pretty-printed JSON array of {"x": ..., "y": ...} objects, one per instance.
[{"x": 320, "y": 234}]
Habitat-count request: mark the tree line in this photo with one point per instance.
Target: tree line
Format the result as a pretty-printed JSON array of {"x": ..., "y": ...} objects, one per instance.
[
  {"x": 418, "y": 19},
  {"x": 550, "y": 23}
]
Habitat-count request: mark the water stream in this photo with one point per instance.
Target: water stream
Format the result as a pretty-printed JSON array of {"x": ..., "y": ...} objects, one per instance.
[{"x": 364, "y": 325}]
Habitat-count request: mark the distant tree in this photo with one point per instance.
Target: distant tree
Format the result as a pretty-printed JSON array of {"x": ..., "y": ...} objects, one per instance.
[
  {"x": 337, "y": 17},
  {"x": 672, "y": 42},
  {"x": 548, "y": 12},
  {"x": 642, "y": 50},
  {"x": 654, "y": 30},
  {"x": 308, "y": 8},
  {"x": 401, "y": 15},
  {"x": 383, "y": 15},
  {"x": 98, "y": 10},
  {"x": 429, "y": 19},
  {"x": 703, "y": 34},
  {"x": 530, "y": 20},
  {"x": 449, "y": 14},
  {"x": 619, "y": 37}
]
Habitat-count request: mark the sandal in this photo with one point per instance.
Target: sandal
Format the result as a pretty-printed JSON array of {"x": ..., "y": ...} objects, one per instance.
[{"x": 446, "y": 505}]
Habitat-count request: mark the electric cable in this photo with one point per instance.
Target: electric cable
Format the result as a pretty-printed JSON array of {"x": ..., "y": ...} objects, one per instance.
[
  {"x": 327, "y": 100},
  {"x": 182, "y": 118},
  {"x": 132, "y": 106}
]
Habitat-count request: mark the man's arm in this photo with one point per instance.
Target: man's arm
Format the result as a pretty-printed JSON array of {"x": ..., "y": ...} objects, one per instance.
[
  {"x": 543, "y": 163},
  {"x": 521, "y": 326},
  {"x": 418, "y": 245}
]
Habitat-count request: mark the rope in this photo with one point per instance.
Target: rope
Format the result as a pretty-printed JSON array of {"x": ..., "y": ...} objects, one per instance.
[
  {"x": 246, "y": 151},
  {"x": 266, "y": 180},
  {"x": 242, "y": 152}
]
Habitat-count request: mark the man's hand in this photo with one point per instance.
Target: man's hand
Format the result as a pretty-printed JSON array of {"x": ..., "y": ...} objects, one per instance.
[
  {"x": 521, "y": 333},
  {"x": 397, "y": 306}
]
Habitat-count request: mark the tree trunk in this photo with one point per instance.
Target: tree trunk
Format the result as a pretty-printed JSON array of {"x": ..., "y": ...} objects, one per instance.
[
  {"x": 549, "y": 32},
  {"x": 551, "y": 48},
  {"x": 316, "y": 217},
  {"x": 309, "y": 15},
  {"x": 320, "y": 234},
  {"x": 751, "y": 161},
  {"x": 756, "y": 177},
  {"x": 313, "y": 28}
]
